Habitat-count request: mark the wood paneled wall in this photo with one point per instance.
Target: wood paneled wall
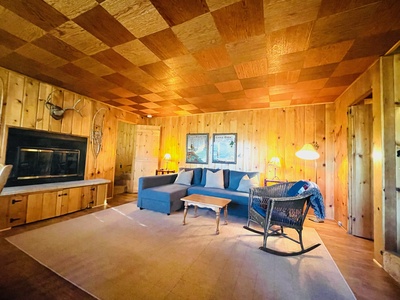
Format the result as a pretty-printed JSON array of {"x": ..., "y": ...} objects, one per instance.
[
  {"x": 382, "y": 79},
  {"x": 262, "y": 134},
  {"x": 24, "y": 106}
]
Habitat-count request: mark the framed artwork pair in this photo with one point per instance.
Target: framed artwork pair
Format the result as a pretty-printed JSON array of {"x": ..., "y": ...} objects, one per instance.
[{"x": 224, "y": 148}]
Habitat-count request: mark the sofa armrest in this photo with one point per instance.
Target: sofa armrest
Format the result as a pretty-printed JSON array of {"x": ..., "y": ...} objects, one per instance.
[{"x": 156, "y": 180}]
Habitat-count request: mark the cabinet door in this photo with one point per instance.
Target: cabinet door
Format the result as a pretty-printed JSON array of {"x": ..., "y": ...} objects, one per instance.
[
  {"x": 101, "y": 195},
  {"x": 49, "y": 205},
  {"x": 17, "y": 210},
  {"x": 34, "y": 208},
  {"x": 88, "y": 196},
  {"x": 4, "y": 202},
  {"x": 75, "y": 199},
  {"x": 62, "y": 203}
]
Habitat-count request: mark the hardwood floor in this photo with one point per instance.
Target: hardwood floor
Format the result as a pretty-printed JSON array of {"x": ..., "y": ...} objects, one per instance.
[{"x": 22, "y": 277}]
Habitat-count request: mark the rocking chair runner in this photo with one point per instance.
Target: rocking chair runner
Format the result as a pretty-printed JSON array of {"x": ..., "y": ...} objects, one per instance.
[{"x": 272, "y": 210}]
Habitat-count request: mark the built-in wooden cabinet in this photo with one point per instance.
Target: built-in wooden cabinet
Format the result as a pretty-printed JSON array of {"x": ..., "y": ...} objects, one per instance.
[
  {"x": 12, "y": 210},
  {"x": 41, "y": 204}
]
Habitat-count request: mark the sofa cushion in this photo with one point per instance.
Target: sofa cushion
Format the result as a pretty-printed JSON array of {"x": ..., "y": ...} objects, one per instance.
[
  {"x": 165, "y": 192},
  {"x": 204, "y": 176},
  {"x": 235, "y": 196},
  {"x": 215, "y": 180},
  {"x": 197, "y": 173},
  {"x": 236, "y": 176},
  {"x": 246, "y": 183},
  {"x": 184, "y": 177}
]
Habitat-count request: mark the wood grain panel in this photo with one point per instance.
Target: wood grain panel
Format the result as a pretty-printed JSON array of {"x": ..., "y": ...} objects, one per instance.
[
  {"x": 240, "y": 20},
  {"x": 72, "y": 9},
  {"x": 164, "y": 44},
  {"x": 137, "y": 53},
  {"x": 252, "y": 69},
  {"x": 198, "y": 33},
  {"x": 213, "y": 58},
  {"x": 9, "y": 40},
  {"x": 334, "y": 28},
  {"x": 74, "y": 35},
  {"x": 140, "y": 17},
  {"x": 14, "y": 100},
  {"x": 113, "y": 60},
  {"x": 31, "y": 93},
  {"x": 282, "y": 14},
  {"x": 326, "y": 54},
  {"x": 37, "y": 12},
  {"x": 58, "y": 47},
  {"x": 176, "y": 12},
  {"x": 18, "y": 26},
  {"x": 109, "y": 30}
]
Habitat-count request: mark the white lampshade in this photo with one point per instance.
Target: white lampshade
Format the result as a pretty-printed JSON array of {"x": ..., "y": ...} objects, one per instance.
[
  {"x": 308, "y": 152},
  {"x": 275, "y": 162}
]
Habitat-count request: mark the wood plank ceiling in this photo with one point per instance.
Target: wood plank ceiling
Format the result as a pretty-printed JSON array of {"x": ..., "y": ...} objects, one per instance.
[{"x": 183, "y": 57}]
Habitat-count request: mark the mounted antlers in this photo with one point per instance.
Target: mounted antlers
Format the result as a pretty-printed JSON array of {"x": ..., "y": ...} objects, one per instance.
[{"x": 56, "y": 111}]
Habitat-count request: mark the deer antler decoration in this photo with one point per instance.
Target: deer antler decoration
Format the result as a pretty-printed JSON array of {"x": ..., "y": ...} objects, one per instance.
[{"x": 56, "y": 111}]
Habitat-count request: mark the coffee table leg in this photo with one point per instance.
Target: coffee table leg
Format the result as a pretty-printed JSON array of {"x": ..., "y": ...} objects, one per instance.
[
  {"x": 185, "y": 213},
  {"x": 226, "y": 214},
  {"x": 217, "y": 211},
  {"x": 195, "y": 211}
]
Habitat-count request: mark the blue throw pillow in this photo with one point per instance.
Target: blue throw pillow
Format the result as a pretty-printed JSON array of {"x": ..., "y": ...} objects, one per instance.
[
  {"x": 236, "y": 176},
  {"x": 294, "y": 190}
]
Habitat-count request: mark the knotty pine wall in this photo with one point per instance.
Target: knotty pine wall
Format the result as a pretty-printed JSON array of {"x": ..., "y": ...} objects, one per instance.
[
  {"x": 262, "y": 134},
  {"x": 383, "y": 80},
  {"x": 24, "y": 106}
]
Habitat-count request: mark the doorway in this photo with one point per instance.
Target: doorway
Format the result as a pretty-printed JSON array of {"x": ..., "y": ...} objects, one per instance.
[{"x": 361, "y": 218}]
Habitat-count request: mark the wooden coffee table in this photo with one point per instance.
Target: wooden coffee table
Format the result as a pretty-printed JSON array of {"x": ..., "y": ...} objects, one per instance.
[{"x": 202, "y": 201}]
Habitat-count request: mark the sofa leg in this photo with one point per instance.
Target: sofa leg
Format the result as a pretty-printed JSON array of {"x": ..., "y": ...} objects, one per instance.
[
  {"x": 141, "y": 208},
  {"x": 168, "y": 214}
]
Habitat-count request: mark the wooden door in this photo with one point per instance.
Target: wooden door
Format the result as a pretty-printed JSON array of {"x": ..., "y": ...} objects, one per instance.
[
  {"x": 360, "y": 169},
  {"x": 34, "y": 207},
  {"x": 147, "y": 148},
  {"x": 49, "y": 205}
]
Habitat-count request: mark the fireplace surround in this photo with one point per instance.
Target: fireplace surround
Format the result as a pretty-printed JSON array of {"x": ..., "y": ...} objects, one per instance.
[{"x": 44, "y": 157}]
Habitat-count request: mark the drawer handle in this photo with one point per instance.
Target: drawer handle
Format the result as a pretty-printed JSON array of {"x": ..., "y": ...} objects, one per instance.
[
  {"x": 14, "y": 219},
  {"x": 93, "y": 189},
  {"x": 15, "y": 201}
]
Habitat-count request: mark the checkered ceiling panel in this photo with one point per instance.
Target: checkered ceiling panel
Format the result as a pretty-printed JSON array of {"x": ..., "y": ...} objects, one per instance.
[{"x": 183, "y": 57}]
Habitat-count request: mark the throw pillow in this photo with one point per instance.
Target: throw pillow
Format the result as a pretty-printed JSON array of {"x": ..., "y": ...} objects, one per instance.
[
  {"x": 184, "y": 177},
  {"x": 246, "y": 183},
  {"x": 215, "y": 180}
]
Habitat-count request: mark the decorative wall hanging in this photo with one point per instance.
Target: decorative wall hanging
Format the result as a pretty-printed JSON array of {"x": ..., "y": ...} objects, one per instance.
[
  {"x": 197, "y": 148},
  {"x": 56, "y": 111},
  {"x": 224, "y": 148},
  {"x": 96, "y": 134}
]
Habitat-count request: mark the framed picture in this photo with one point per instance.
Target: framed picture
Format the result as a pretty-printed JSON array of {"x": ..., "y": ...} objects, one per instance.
[
  {"x": 197, "y": 148},
  {"x": 224, "y": 148}
]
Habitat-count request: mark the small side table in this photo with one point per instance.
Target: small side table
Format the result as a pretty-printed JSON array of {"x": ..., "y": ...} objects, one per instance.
[
  {"x": 274, "y": 181},
  {"x": 163, "y": 171}
]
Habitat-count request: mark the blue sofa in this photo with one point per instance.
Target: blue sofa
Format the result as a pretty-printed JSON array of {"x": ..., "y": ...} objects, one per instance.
[{"x": 161, "y": 193}]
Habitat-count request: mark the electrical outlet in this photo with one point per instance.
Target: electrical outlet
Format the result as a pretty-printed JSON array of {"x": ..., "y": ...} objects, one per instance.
[{"x": 339, "y": 223}]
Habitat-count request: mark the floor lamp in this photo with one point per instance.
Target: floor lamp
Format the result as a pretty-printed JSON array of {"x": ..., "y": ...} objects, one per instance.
[{"x": 309, "y": 152}]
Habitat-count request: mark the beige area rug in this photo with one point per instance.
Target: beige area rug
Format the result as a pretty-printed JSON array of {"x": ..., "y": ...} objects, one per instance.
[{"x": 127, "y": 253}]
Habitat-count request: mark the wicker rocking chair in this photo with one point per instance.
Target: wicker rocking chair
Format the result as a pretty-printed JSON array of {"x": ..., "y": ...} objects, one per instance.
[{"x": 272, "y": 210}]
